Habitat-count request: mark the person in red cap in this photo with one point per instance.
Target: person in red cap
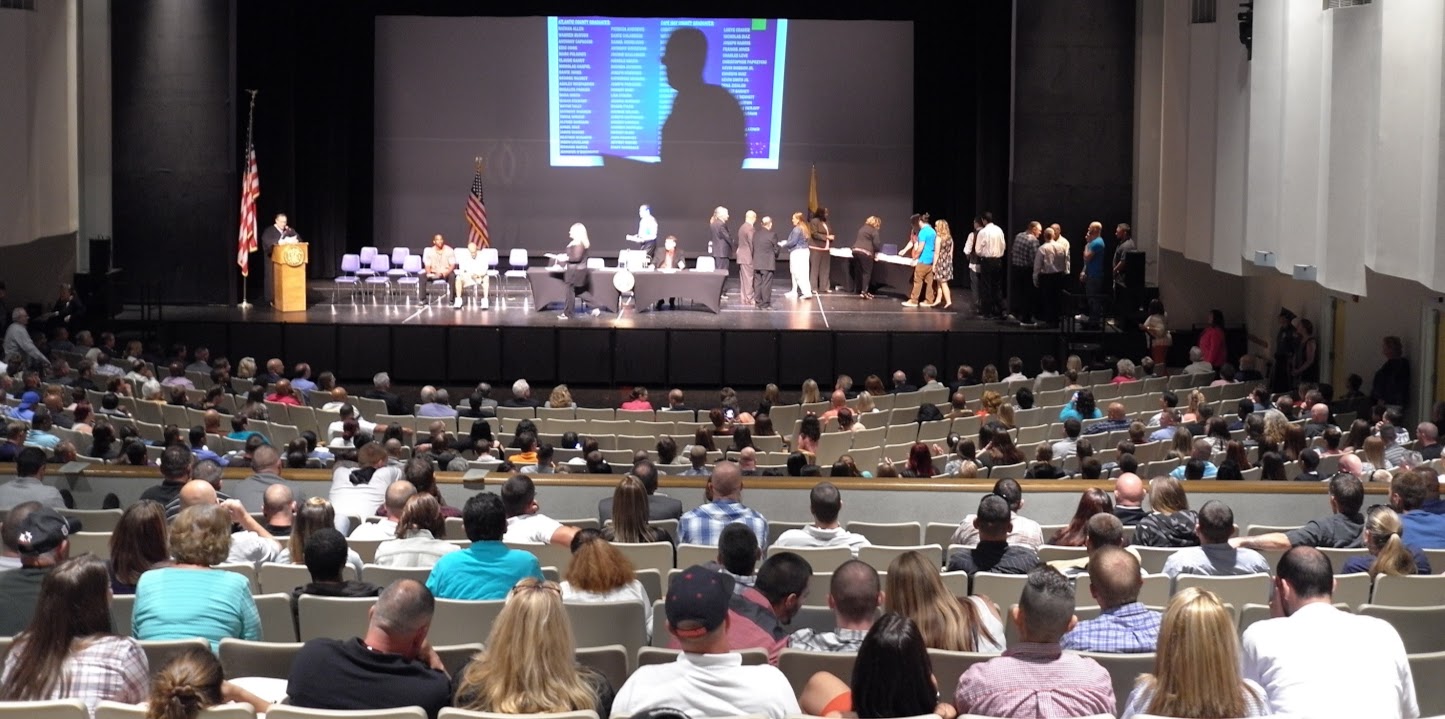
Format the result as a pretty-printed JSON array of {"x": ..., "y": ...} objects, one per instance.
[{"x": 707, "y": 679}]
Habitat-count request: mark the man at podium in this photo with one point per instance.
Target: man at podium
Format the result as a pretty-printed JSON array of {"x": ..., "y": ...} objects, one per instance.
[{"x": 277, "y": 234}]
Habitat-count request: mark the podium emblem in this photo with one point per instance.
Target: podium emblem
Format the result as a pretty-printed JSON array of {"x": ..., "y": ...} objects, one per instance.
[{"x": 293, "y": 256}]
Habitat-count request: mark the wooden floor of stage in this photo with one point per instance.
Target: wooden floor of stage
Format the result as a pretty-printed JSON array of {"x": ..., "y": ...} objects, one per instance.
[{"x": 826, "y": 312}]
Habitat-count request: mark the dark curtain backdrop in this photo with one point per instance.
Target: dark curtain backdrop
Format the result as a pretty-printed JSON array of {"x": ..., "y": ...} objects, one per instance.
[{"x": 312, "y": 62}]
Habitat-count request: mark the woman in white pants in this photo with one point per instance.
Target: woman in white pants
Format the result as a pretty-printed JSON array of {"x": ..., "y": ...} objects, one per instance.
[{"x": 797, "y": 247}]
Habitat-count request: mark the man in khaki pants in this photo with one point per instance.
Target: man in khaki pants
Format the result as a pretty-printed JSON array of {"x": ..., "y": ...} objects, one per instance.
[{"x": 923, "y": 271}]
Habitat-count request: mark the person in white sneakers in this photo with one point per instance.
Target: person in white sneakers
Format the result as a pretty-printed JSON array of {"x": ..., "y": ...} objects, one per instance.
[
  {"x": 825, "y": 503},
  {"x": 471, "y": 270}
]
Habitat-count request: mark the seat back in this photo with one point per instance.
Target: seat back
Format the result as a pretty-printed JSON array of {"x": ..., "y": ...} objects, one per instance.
[
  {"x": 282, "y": 711},
  {"x": 609, "y": 661},
  {"x": 53, "y": 709},
  {"x": 350, "y": 264},
  {"x": 821, "y": 559},
  {"x": 466, "y": 621},
  {"x": 705, "y": 264},
  {"x": 240, "y": 658},
  {"x": 799, "y": 666},
  {"x": 1239, "y": 591},
  {"x": 412, "y": 264},
  {"x": 490, "y": 257},
  {"x": 116, "y": 710},
  {"x": 160, "y": 652},
  {"x": 1124, "y": 670},
  {"x": 334, "y": 617},
  {"x": 1429, "y": 693},
  {"x": 949, "y": 666},
  {"x": 367, "y": 255},
  {"x": 517, "y": 258},
  {"x": 399, "y": 255},
  {"x": 95, "y": 520},
  {"x": 1419, "y": 627},
  {"x": 600, "y": 624},
  {"x": 1416, "y": 591},
  {"x": 891, "y": 534},
  {"x": 277, "y": 622}
]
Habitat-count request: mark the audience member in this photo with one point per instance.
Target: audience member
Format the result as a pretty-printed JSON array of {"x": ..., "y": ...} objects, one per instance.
[
  {"x": 488, "y": 569},
  {"x": 825, "y": 503},
  {"x": 1124, "y": 624},
  {"x": 854, "y": 595}
]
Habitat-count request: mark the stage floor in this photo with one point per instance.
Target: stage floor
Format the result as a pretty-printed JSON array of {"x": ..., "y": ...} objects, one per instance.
[{"x": 827, "y": 312}]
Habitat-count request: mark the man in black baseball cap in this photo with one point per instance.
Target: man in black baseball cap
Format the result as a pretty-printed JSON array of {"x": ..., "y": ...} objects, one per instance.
[
  {"x": 42, "y": 537},
  {"x": 707, "y": 679}
]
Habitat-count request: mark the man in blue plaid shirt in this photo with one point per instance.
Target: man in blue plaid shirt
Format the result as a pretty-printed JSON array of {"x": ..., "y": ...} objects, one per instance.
[
  {"x": 1125, "y": 626},
  {"x": 704, "y": 525}
]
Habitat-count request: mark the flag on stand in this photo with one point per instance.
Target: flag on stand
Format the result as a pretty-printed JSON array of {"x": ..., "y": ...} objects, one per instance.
[
  {"x": 813, "y": 191},
  {"x": 250, "y": 190},
  {"x": 476, "y": 212}
]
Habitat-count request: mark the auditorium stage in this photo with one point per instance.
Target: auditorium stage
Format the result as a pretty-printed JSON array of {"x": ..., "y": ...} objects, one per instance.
[{"x": 687, "y": 346}]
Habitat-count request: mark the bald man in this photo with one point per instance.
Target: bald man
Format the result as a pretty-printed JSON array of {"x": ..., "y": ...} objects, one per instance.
[
  {"x": 1319, "y": 420},
  {"x": 704, "y": 525},
  {"x": 278, "y": 511},
  {"x": 1129, "y": 499},
  {"x": 1124, "y": 624},
  {"x": 397, "y": 493},
  {"x": 251, "y": 542}
]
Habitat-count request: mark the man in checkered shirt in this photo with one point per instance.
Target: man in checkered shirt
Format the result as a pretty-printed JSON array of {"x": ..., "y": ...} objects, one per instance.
[
  {"x": 704, "y": 525},
  {"x": 854, "y": 596},
  {"x": 1124, "y": 626}
]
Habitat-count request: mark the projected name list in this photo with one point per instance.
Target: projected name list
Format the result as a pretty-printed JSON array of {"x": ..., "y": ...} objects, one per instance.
[{"x": 610, "y": 94}]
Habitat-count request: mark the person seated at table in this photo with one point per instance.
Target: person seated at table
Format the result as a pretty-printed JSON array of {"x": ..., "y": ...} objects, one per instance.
[
  {"x": 471, "y": 270},
  {"x": 668, "y": 257}
]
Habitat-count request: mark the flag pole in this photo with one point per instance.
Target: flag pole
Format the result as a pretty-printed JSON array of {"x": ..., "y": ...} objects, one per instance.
[{"x": 250, "y": 126}]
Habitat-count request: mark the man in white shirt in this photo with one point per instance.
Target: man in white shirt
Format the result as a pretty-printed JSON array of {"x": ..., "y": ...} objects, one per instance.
[
  {"x": 1317, "y": 661},
  {"x": 1015, "y": 371},
  {"x": 1214, "y": 556},
  {"x": 396, "y": 496},
  {"x": 359, "y": 491},
  {"x": 525, "y": 522},
  {"x": 707, "y": 680},
  {"x": 989, "y": 244},
  {"x": 348, "y": 411},
  {"x": 471, "y": 270},
  {"x": 825, "y": 502}
]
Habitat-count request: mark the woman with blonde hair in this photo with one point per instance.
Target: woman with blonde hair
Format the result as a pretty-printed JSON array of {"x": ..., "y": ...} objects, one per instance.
[
  {"x": 989, "y": 374},
  {"x": 600, "y": 572},
  {"x": 1191, "y": 411},
  {"x": 989, "y": 403},
  {"x": 420, "y": 536},
  {"x": 246, "y": 368},
  {"x": 68, "y": 650},
  {"x": 191, "y": 682},
  {"x": 561, "y": 398},
  {"x": 810, "y": 393},
  {"x": 1006, "y": 415},
  {"x": 529, "y": 665},
  {"x": 1384, "y": 538},
  {"x": 866, "y": 403},
  {"x": 943, "y": 264},
  {"x": 1275, "y": 427},
  {"x": 575, "y": 272},
  {"x": 1196, "y": 666},
  {"x": 630, "y": 515},
  {"x": 914, "y": 589},
  {"x": 316, "y": 513},
  {"x": 1373, "y": 450}
]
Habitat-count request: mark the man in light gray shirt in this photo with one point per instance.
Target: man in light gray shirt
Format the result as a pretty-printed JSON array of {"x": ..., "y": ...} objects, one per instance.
[
  {"x": 1214, "y": 556},
  {"x": 251, "y": 491},
  {"x": 28, "y": 485}
]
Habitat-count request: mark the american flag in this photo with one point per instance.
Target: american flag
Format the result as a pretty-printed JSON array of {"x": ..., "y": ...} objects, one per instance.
[
  {"x": 476, "y": 212},
  {"x": 250, "y": 190}
]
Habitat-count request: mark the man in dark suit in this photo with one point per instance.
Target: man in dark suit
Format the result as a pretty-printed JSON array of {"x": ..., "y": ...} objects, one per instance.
[
  {"x": 270, "y": 237},
  {"x": 668, "y": 256},
  {"x": 659, "y": 506},
  {"x": 722, "y": 238},
  {"x": 764, "y": 261},
  {"x": 745, "y": 256}
]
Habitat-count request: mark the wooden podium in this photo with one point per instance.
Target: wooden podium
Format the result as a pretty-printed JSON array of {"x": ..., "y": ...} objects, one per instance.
[{"x": 288, "y": 261}]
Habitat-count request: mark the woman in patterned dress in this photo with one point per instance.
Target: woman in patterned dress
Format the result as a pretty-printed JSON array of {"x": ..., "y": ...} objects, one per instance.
[{"x": 943, "y": 265}]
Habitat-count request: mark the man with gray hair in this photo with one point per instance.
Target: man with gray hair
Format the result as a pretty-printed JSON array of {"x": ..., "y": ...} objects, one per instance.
[
  {"x": 381, "y": 389},
  {"x": 393, "y": 665},
  {"x": 18, "y": 343},
  {"x": 1035, "y": 677},
  {"x": 1429, "y": 436},
  {"x": 521, "y": 396},
  {"x": 1197, "y": 365},
  {"x": 435, "y": 403}
]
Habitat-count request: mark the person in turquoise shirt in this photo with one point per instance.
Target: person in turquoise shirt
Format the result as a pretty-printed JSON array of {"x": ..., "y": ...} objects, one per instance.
[
  {"x": 923, "y": 270},
  {"x": 1093, "y": 277},
  {"x": 488, "y": 569},
  {"x": 190, "y": 599}
]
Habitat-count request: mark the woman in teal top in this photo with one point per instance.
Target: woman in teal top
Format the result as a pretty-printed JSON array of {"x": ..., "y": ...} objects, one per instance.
[{"x": 191, "y": 599}]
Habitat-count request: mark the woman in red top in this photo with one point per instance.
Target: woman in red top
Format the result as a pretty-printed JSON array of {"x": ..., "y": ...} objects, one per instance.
[
  {"x": 638, "y": 400},
  {"x": 1211, "y": 340}
]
